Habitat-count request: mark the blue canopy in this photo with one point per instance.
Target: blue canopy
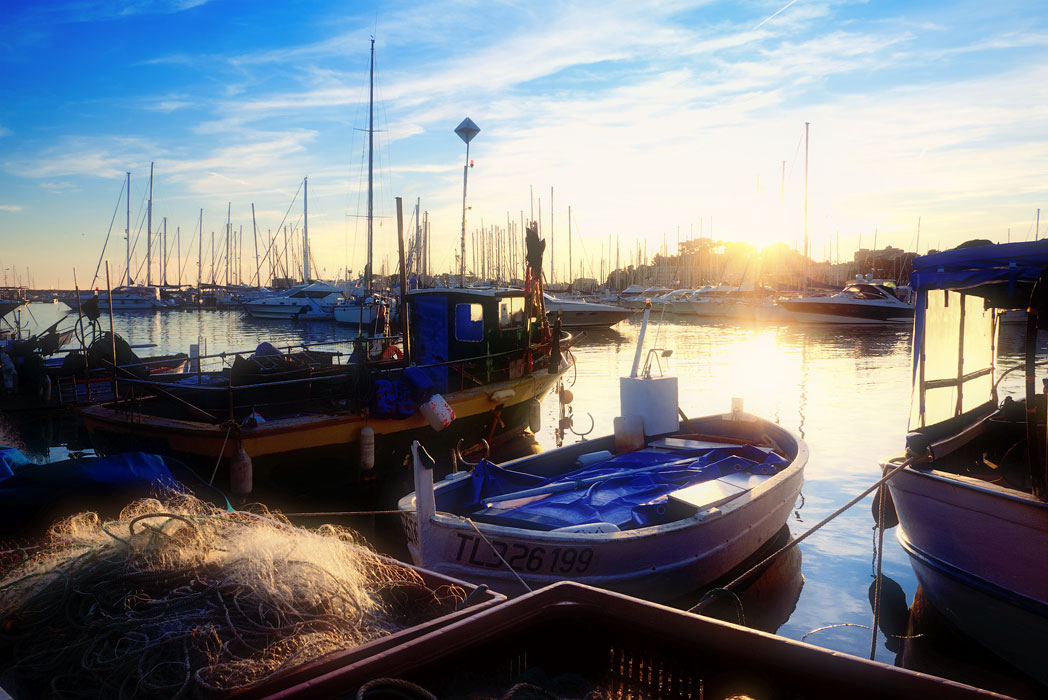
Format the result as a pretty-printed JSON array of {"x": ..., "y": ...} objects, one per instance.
[{"x": 1003, "y": 273}]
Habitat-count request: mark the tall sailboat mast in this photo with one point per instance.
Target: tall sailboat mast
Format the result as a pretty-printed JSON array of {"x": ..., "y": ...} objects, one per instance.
[
  {"x": 305, "y": 230},
  {"x": 371, "y": 159},
  {"x": 149, "y": 231},
  {"x": 127, "y": 232},
  {"x": 806, "y": 257}
]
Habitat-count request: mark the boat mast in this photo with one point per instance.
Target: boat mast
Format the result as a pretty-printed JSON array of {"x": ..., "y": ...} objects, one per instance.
[
  {"x": 371, "y": 161},
  {"x": 552, "y": 248},
  {"x": 570, "y": 273},
  {"x": 163, "y": 255},
  {"x": 305, "y": 230},
  {"x": 254, "y": 229},
  {"x": 229, "y": 209},
  {"x": 127, "y": 232},
  {"x": 806, "y": 124},
  {"x": 200, "y": 251},
  {"x": 149, "y": 231}
]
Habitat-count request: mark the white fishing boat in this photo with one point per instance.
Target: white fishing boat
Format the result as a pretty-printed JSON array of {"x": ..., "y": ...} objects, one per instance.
[
  {"x": 658, "y": 509},
  {"x": 865, "y": 301},
  {"x": 313, "y": 302},
  {"x": 971, "y": 503},
  {"x": 578, "y": 313}
]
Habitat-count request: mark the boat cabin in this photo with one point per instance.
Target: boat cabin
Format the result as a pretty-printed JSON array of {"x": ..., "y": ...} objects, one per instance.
[
  {"x": 957, "y": 411},
  {"x": 465, "y": 336}
]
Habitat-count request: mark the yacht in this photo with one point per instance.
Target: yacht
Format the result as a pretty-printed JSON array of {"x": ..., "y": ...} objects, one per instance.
[
  {"x": 578, "y": 313},
  {"x": 310, "y": 302},
  {"x": 866, "y": 301},
  {"x": 125, "y": 298}
]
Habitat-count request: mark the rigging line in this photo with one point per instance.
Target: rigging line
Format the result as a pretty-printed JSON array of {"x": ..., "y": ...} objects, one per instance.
[
  {"x": 111, "y": 222},
  {"x": 189, "y": 246},
  {"x": 814, "y": 528}
]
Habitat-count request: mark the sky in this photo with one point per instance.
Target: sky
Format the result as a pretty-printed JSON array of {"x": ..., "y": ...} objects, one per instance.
[{"x": 654, "y": 122}]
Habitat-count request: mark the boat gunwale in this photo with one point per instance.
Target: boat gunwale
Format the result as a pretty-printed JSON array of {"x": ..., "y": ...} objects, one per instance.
[{"x": 451, "y": 521}]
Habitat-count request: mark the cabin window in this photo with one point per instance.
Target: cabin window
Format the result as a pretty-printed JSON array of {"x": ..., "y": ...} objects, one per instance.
[
  {"x": 953, "y": 377},
  {"x": 469, "y": 322},
  {"x": 511, "y": 312}
]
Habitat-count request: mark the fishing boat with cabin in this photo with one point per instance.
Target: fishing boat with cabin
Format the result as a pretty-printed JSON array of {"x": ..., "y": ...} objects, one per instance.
[
  {"x": 971, "y": 490},
  {"x": 472, "y": 367},
  {"x": 658, "y": 509}
]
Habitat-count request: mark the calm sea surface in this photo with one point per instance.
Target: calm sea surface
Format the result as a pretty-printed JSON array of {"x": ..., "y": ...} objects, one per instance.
[{"x": 845, "y": 391}]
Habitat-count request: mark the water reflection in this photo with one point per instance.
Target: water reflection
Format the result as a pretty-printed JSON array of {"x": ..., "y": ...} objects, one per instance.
[
  {"x": 922, "y": 639},
  {"x": 845, "y": 389},
  {"x": 766, "y": 601}
]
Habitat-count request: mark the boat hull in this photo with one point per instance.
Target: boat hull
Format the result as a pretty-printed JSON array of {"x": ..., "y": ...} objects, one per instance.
[
  {"x": 656, "y": 562},
  {"x": 847, "y": 313},
  {"x": 977, "y": 549},
  {"x": 327, "y": 442}
]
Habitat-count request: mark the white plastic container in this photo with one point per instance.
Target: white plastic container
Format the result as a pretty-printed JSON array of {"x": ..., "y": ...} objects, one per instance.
[{"x": 438, "y": 412}]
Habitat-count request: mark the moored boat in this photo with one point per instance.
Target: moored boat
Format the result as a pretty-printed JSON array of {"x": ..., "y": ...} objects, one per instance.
[
  {"x": 473, "y": 363},
  {"x": 313, "y": 301},
  {"x": 971, "y": 498},
  {"x": 578, "y": 313},
  {"x": 658, "y": 509},
  {"x": 861, "y": 302}
]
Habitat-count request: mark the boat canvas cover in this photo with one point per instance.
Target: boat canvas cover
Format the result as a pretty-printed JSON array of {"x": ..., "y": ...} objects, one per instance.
[
  {"x": 991, "y": 271},
  {"x": 954, "y": 333},
  {"x": 35, "y": 494},
  {"x": 629, "y": 491}
]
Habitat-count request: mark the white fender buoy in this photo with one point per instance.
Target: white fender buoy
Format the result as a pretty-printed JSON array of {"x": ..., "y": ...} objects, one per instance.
[
  {"x": 367, "y": 448},
  {"x": 566, "y": 396},
  {"x": 438, "y": 412},
  {"x": 534, "y": 415},
  {"x": 241, "y": 472},
  {"x": 503, "y": 395}
]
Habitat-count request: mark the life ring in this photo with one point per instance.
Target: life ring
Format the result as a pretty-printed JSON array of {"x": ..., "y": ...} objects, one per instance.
[{"x": 391, "y": 352}]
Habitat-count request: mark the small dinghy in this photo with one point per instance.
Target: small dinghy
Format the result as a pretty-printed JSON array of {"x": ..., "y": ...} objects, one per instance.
[{"x": 658, "y": 509}]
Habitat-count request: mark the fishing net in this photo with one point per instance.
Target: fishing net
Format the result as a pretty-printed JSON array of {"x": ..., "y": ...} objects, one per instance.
[{"x": 177, "y": 599}]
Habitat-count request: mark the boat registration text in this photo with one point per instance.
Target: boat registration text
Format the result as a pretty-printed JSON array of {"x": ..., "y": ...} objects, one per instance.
[{"x": 472, "y": 550}]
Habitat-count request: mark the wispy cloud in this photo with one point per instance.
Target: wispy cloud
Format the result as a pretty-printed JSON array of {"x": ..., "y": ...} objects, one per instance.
[{"x": 11, "y": 207}]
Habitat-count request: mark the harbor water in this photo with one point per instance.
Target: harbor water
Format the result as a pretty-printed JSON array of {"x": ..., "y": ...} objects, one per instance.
[{"x": 844, "y": 390}]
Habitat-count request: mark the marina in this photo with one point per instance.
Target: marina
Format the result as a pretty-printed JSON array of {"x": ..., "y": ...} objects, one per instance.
[
  {"x": 792, "y": 379},
  {"x": 541, "y": 351}
]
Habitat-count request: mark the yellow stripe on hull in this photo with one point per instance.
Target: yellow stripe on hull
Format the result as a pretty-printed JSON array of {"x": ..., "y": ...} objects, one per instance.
[{"x": 303, "y": 432}]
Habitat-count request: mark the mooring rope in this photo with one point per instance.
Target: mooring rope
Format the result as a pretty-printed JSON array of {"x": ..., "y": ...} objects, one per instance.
[
  {"x": 504, "y": 562},
  {"x": 711, "y": 595},
  {"x": 221, "y": 452}
]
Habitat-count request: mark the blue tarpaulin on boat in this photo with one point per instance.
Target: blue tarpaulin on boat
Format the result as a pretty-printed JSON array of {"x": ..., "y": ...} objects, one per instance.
[
  {"x": 629, "y": 490},
  {"x": 36, "y": 494}
]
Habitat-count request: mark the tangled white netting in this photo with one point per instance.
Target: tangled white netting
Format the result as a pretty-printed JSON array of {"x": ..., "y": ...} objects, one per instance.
[{"x": 180, "y": 599}]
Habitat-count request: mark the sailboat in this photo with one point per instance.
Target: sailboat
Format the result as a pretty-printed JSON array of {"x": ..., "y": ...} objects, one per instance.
[
  {"x": 362, "y": 311},
  {"x": 309, "y": 301}
]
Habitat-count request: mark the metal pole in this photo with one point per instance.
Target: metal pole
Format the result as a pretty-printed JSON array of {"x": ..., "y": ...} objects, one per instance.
[
  {"x": 371, "y": 166},
  {"x": 404, "y": 321},
  {"x": 149, "y": 231},
  {"x": 127, "y": 233},
  {"x": 305, "y": 230},
  {"x": 462, "y": 252},
  {"x": 806, "y": 124},
  {"x": 112, "y": 332}
]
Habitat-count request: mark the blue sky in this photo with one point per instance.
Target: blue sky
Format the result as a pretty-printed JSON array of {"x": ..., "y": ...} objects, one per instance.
[{"x": 645, "y": 118}]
